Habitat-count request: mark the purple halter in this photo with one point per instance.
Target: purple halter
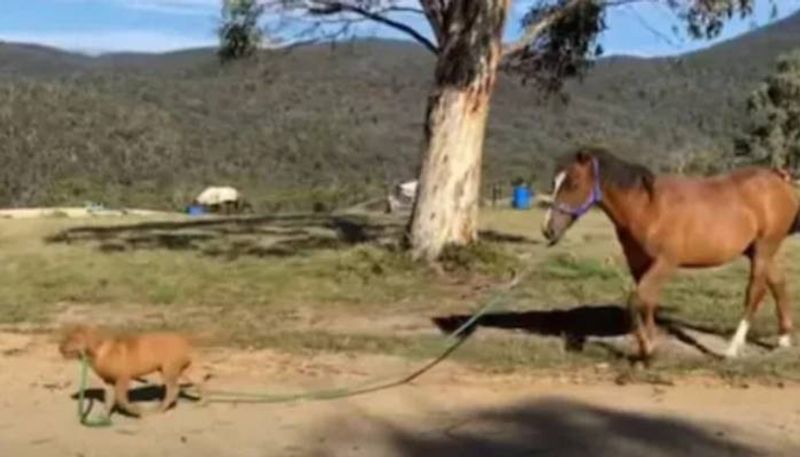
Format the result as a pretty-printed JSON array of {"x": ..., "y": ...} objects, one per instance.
[{"x": 595, "y": 197}]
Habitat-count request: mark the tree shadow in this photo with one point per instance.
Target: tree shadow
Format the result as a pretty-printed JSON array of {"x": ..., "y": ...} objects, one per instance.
[
  {"x": 233, "y": 237},
  {"x": 256, "y": 236},
  {"x": 563, "y": 428},
  {"x": 575, "y": 325},
  {"x": 494, "y": 236}
]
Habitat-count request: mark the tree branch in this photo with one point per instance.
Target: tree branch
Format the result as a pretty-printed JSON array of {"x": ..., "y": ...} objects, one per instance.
[
  {"x": 434, "y": 11},
  {"x": 404, "y": 9},
  {"x": 535, "y": 30},
  {"x": 334, "y": 7}
]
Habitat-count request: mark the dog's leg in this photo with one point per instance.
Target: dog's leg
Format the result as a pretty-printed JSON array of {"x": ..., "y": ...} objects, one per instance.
[
  {"x": 197, "y": 388},
  {"x": 190, "y": 382},
  {"x": 121, "y": 390},
  {"x": 109, "y": 399},
  {"x": 171, "y": 377}
]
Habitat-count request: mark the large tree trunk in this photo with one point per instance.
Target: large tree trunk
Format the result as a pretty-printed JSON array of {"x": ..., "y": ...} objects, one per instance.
[{"x": 446, "y": 206}]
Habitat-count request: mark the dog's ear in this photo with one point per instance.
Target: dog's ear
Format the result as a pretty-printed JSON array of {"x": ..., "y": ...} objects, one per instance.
[{"x": 65, "y": 330}]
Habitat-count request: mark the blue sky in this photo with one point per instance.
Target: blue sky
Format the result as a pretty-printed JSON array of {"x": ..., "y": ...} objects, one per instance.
[{"x": 162, "y": 25}]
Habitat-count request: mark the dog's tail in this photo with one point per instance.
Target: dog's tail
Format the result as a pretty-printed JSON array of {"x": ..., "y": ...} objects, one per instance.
[
  {"x": 199, "y": 371},
  {"x": 201, "y": 338}
]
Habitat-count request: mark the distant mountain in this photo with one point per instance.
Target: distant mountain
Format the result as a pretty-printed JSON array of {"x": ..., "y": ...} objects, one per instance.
[
  {"x": 333, "y": 125},
  {"x": 32, "y": 60}
]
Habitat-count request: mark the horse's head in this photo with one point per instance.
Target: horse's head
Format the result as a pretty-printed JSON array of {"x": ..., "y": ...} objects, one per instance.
[{"x": 576, "y": 188}]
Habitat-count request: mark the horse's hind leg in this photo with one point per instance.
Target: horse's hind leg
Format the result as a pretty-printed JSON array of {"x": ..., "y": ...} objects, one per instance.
[
  {"x": 756, "y": 289},
  {"x": 776, "y": 280}
]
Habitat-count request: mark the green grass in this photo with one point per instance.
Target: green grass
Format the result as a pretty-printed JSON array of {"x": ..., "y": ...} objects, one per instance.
[
  {"x": 570, "y": 268},
  {"x": 267, "y": 285},
  {"x": 496, "y": 354},
  {"x": 40, "y": 275}
]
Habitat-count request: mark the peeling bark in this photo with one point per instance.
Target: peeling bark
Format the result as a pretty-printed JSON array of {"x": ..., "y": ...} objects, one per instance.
[{"x": 446, "y": 207}]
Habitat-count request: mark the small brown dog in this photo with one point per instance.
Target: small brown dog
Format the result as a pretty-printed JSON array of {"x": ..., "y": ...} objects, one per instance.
[{"x": 119, "y": 359}]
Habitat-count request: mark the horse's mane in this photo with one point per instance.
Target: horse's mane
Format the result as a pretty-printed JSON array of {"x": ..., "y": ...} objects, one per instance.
[{"x": 613, "y": 170}]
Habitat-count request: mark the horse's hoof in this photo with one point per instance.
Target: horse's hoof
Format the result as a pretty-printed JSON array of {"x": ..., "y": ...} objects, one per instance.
[
  {"x": 731, "y": 353},
  {"x": 647, "y": 354},
  {"x": 641, "y": 360},
  {"x": 784, "y": 342},
  {"x": 636, "y": 362}
]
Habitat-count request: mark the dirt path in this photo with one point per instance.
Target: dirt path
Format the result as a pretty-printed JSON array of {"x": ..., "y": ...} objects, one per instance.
[{"x": 449, "y": 412}]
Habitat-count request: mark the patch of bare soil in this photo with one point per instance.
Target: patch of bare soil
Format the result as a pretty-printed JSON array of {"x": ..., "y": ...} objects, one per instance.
[{"x": 451, "y": 411}]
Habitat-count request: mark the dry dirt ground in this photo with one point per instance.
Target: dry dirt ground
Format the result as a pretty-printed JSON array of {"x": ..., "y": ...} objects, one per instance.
[{"x": 451, "y": 411}]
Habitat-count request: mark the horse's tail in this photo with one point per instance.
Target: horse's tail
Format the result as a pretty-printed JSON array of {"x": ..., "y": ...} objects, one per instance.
[
  {"x": 786, "y": 176},
  {"x": 795, "y": 228}
]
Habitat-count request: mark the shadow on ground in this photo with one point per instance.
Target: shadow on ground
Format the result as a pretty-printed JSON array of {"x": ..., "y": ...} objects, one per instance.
[
  {"x": 141, "y": 394},
  {"x": 233, "y": 237},
  {"x": 258, "y": 236},
  {"x": 578, "y": 323},
  {"x": 558, "y": 428}
]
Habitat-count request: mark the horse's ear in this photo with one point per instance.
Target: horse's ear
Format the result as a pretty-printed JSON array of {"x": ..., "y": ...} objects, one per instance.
[
  {"x": 647, "y": 182},
  {"x": 583, "y": 157}
]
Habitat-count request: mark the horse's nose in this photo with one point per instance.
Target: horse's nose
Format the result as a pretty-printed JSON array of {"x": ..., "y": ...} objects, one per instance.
[{"x": 547, "y": 232}]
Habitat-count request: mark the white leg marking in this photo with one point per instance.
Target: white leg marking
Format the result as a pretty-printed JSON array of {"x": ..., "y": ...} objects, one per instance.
[
  {"x": 785, "y": 341},
  {"x": 738, "y": 339}
]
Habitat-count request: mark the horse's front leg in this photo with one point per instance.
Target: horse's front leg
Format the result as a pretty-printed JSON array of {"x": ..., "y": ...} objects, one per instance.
[{"x": 643, "y": 304}]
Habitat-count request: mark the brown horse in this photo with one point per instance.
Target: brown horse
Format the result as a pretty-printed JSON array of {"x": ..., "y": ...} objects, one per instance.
[{"x": 670, "y": 222}]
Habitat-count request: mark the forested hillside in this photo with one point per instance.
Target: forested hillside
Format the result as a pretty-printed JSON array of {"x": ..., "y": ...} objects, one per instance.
[{"x": 334, "y": 125}]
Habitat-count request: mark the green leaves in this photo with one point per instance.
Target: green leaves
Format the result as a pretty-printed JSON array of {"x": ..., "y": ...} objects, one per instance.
[
  {"x": 773, "y": 134},
  {"x": 239, "y": 34},
  {"x": 568, "y": 46}
]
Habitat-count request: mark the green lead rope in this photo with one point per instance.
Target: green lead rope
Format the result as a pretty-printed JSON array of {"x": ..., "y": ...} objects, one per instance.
[
  {"x": 83, "y": 413},
  {"x": 455, "y": 339}
]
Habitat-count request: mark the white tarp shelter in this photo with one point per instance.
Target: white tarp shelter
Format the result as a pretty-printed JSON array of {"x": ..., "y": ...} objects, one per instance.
[
  {"x": 215, "y": 196},
  {"x": 402, "y": 196}
]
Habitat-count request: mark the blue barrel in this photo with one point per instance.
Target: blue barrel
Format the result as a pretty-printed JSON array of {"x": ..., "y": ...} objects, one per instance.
[
  {"x": 521, "y": 198},
  {"x": 196, "y": 210}
]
